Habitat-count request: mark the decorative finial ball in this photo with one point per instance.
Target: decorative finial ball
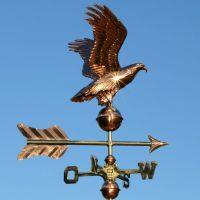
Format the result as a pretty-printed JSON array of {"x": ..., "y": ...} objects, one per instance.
[
  {"x": 110, "y": 190},
  {"x": 109, "y": 119},
  {"x": 110, "y": 160}
]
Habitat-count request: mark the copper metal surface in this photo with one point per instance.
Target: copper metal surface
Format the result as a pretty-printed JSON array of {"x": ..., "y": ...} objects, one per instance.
[
  {"x": 101, "y": 64},
  {"x": 100, "y": 57},
  {"x": 110, "y": 190},
  {"x": 110, "y": 160},
  {"x": 50, "y": 134},
  {"x": 109, "y": 119}
]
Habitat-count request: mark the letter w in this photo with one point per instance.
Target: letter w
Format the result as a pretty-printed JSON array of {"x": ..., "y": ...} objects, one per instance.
[{"x": 147, "y": 169}]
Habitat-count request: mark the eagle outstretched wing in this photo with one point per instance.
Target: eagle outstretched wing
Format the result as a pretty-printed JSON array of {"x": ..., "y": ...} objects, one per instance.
[
  {"x": 109, "y": 35},
  {"x": 84, "y": 47}
]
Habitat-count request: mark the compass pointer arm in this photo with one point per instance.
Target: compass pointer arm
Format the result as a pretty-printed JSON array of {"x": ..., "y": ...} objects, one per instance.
[
  {"x": 146, "y": 170},
  {"x": 76, "y": 174},
  {"x": 96, "y": 170},
  {"x": 130, "y": 171}
]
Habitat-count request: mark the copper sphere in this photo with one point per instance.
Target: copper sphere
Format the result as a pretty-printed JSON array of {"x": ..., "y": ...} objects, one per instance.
[
  {"x": 109, "y": 119},
  {"x": 110, "y": 160},
  {"x": 110, "y": 190}
]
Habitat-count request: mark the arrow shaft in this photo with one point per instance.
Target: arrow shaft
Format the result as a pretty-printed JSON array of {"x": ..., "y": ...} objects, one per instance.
[{"x": 92, "y": 143}]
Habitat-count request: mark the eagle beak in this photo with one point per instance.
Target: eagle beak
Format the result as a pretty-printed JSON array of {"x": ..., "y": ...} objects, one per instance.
[{"x": 145, "y": 69}]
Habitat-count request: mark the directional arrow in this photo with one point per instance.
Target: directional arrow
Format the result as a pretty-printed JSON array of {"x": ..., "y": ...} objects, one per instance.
[
  {"x": 53, "y": 142},
  {"x": 155, "y": 144}
]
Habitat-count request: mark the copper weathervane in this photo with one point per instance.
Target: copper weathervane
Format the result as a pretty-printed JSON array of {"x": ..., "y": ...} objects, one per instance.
[{"x": 101, "y": 64}]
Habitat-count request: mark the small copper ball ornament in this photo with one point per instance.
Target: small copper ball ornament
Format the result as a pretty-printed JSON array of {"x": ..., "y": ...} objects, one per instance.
[
  {"x": 110, "y": 160},
  {"x": 110, "y": 190},
  {"x": 109, "y": 119}
]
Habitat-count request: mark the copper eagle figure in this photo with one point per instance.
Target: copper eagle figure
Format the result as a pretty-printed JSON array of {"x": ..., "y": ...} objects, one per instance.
[{"x": 100, "y": 57}]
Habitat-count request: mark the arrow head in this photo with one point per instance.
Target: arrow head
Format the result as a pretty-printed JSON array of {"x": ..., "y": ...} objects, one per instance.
[{"x": 155, "y": 144}]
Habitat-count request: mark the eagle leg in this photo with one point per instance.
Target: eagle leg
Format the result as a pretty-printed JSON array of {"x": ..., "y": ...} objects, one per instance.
[{"x": 105, "y": 98}]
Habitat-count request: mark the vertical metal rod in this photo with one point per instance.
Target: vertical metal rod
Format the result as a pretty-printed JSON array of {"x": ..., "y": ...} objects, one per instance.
[{"x": 110, "y": 144}]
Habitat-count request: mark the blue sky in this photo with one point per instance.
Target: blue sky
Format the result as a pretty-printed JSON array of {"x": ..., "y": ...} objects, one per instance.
[{"x": 39, "y": 76}]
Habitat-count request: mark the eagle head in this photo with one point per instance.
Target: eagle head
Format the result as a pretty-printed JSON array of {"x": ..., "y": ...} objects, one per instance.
[{"x": 140, "y": 66}]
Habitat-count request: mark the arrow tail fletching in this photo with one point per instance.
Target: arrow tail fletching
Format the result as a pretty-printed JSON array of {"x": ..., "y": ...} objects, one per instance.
[
  {"x": 54, "y": 152},
  {"x": 53, "y": 133}
]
